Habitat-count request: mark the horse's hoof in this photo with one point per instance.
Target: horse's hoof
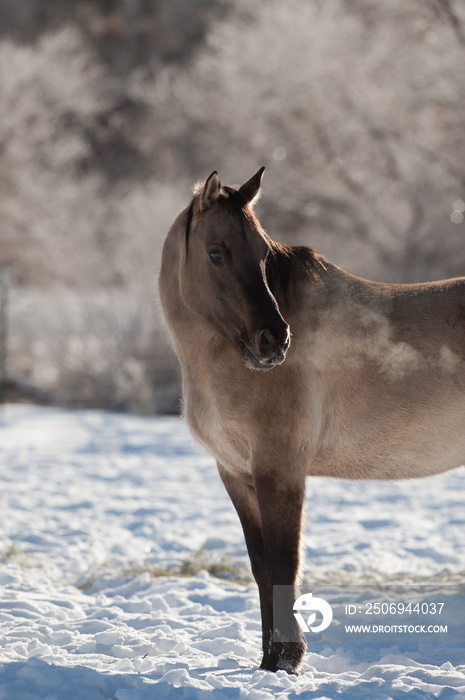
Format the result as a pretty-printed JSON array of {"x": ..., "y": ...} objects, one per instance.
[{"x": 284, "y": 657}]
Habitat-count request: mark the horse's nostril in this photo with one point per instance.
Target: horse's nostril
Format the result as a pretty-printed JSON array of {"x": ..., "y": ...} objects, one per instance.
[
  {"x": 266, "y": 340},
  {"x": 268, "y": 343}
]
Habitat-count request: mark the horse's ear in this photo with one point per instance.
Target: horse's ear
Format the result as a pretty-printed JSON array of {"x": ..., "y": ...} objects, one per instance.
[
  {"x": 251, "y": 188},
  {"x": 210, "y": 191}
]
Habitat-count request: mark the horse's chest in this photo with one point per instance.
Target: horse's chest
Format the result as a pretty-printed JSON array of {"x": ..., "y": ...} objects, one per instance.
[{"x": 223, "y": 433}]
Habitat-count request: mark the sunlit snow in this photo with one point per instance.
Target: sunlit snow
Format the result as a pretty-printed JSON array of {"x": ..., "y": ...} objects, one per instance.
[{"x": 102, "y": 512}]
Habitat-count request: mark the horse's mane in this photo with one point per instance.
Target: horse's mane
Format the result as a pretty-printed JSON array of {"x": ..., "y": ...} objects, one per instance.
[
  {"x": 190, "y": 215},
  {"x": 283, "y": 260}
]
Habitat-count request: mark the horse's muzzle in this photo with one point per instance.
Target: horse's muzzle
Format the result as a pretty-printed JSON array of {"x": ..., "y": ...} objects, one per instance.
[{"x": 267, "y": 351}]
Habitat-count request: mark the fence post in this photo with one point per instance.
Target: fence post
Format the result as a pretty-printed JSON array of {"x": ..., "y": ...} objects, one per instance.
[{"x": 4, "y": 294}]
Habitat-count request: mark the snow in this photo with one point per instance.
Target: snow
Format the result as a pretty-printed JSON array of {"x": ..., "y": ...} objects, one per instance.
[{"x": 99, "y": 514}]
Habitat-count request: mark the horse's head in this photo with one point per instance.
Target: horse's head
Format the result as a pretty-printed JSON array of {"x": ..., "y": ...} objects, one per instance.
[{"x": 223, "y": 276}]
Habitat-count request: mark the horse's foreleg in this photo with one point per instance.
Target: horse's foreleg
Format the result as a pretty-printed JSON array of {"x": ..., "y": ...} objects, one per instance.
[
  {"x": 242, "y": 493},
  {"x": 280, "y": 502}
]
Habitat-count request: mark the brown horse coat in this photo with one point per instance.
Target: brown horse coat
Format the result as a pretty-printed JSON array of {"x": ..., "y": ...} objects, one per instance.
[{"x": 292, "y": 367}]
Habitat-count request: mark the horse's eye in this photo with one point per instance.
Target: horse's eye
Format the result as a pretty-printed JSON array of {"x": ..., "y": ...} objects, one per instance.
[{"x": 217, "y": 257}]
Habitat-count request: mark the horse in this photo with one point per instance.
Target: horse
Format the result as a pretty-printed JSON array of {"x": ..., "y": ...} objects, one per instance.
[{"x": 292, "y": 367}]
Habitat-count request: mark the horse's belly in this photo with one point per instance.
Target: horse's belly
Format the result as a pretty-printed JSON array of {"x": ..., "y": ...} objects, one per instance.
[
  {"x": 428, "y": 439},
  {"x": 360, "y": 463}
]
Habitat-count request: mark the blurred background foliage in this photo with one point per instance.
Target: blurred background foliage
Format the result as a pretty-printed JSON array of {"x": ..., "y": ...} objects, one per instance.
[{"x": 111, "y": 109}]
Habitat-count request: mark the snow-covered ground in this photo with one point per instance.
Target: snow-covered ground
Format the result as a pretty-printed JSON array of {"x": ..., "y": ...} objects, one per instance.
[{"x": 101, "y": 513}]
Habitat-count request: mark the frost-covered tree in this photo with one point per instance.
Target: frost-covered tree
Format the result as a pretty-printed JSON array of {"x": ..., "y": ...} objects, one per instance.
[
  {"x": 109, "y": 110},
  {"x": 357, "y": 109}
]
